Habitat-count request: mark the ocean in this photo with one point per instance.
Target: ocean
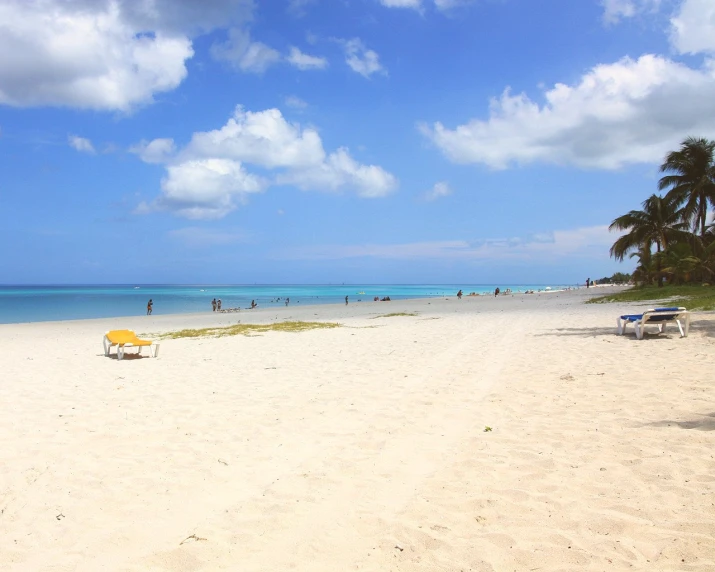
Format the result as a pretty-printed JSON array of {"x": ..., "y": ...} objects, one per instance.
[{"x": 77, "y": 302}]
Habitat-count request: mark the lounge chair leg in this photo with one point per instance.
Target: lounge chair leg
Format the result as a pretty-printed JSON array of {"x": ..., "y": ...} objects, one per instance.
[
  {"x": 687, "y": 325},
  {"x": 639, "y": 330},
  {"x": 120, "y": 352},
  {"x": 680, "y": 327},
  {"x": 621, "y": 326}
]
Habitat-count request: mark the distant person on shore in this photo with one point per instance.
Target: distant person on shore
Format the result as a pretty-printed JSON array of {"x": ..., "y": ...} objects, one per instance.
[
  {"x": 149, "y": 307},
  {"x": 496, "y": 291},
  {"x": 459, "y": 295},
  {"x": 287, "y": 301},
  {"x": 218, "y": 304},
  {"x": 346, "y": 300},
  {"x": 213, "y": 304},
  {"x": 253, "y": 304},
  {"x": 588, "y": 282}
]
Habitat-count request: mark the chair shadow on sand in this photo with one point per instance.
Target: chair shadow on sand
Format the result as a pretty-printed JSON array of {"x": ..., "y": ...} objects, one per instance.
[
  {"x": 127, "y": 356},
  {"x": 705, "y": 423},
  {"x": 707, "y": 327}
]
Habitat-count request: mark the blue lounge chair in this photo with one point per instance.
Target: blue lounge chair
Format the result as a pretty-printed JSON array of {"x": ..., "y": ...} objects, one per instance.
[{"x": 657, "y": 316}]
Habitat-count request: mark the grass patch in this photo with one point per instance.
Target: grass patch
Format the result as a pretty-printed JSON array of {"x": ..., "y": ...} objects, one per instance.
[
  {"x": 693, "y": 297},
  {"x": 251, "y": 329},
  {"x": 393, "y": 315}
]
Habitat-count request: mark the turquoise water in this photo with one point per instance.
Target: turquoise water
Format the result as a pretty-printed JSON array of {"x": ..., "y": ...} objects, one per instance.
[{"x": 46, "y": 303}]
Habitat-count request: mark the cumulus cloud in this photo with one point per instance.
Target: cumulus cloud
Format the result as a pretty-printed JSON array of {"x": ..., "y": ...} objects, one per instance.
[
  {"x": 548, "y": 247},
  {"x": 339, "y": 170},
  {"x": 101, "y": 54},
  {"x": 262, "y": 138},
  {"x": 243, "y": 54},
  {"x": 631, "y": 111},
  {"x": 156, "y": 151},
  {"x": 417, "y": 4},
  {"x": 693, "y": 27},
  {"x": 304, "y": 61},
  {"x": 81, "y": 144},
  {"x": 206, "y": 188},
  {"x": 439, "y": 190},
  {"x": 360, "y": 59},
  {"x": 298, "y": 8},
  {"x": 209, "y": 177},
  {"x": 616, "y": 10},
  {"x": 295, "y": 102}
]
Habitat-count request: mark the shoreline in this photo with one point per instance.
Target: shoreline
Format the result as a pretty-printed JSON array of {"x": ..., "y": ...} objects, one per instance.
[{"x": 297, "y": 307}]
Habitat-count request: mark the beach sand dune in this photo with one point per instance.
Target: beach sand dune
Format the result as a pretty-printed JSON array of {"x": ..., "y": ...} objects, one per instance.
[{"x": 363, "y": 447}]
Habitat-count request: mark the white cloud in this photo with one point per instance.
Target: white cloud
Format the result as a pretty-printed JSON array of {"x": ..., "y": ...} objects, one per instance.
[
  {"x": 440, "y": 189},
  {"x": 208, "y": 178},
  {"x": 341, "y": 170},
  {"x": 549, "y": 247},
  {"x": 632, "y": 111},
  {"x": 616, "y": 10},
  {"x": 298, "y": 7},
  {"x": 156, "y": 151},
  {"x": 206, "y": 188},
  {"x": 243, "y": 54},
  {"x": 81, "y": 144},
  {"x": 261, "y": 138},
  {"x": 693, "y": 27},
  {"x": 295, "y": 102},
  {"x": 304, "y": 61},
  {"x": 360, "y": 59},
  {"x": 101, "y": 54},
  {"x": 417, "y": 4}
]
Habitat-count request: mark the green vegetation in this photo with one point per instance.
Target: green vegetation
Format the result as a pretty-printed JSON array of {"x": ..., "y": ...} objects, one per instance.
[
  {"x": 487, "y": 429},
  {"x": 675, "y": 224},
  {"x": 249, "y": 329},
  {"x": 692, "y": 296},
  {"x": 617, "y": 278},
  {"x": 393, "y": 315}
]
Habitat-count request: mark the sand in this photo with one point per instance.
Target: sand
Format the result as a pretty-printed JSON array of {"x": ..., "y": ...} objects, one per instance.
[{"x": 364, "y": 447}]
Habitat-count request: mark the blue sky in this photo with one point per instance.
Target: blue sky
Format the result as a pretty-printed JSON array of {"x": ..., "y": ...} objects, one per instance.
[{"x": 357, "y": 141}]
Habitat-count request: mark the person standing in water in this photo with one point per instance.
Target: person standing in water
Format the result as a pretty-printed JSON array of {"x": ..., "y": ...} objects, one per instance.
[
  {"x": 213, "y": 304},
  {"x": 149, "y": 307},
  {"x": 346, "y": 300}
]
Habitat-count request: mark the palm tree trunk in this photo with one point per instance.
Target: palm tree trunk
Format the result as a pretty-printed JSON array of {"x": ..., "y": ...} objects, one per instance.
[{"x": 659, "y": 266}]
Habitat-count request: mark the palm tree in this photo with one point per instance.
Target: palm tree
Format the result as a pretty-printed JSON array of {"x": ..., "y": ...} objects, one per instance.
[
  {"x": 692, "y": 179},
  {"x": 658, "y": 223},
  {"x": 645, "y": 270}
]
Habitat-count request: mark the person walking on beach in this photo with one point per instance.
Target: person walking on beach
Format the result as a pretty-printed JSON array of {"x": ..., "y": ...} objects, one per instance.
[
  {"x": 496, "y": 292},
  {"x": 149, "y": 307},
  {"x": 588, "y": 281},
  {"x": 213, "y": 304},
  {"x": 346, "y": 300},
  {"x": 218, "y": 304},
  {"x": 459, "y": 295}
]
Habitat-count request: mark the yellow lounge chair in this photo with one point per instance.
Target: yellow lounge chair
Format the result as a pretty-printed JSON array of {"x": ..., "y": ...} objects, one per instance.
[{"x": 126, "y": 339}]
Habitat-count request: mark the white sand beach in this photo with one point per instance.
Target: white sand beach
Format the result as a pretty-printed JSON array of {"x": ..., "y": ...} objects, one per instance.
[{"x": 363, "y": 447}]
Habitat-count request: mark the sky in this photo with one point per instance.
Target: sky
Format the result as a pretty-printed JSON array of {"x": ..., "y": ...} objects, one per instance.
[{"x": 338, "y": 141}]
